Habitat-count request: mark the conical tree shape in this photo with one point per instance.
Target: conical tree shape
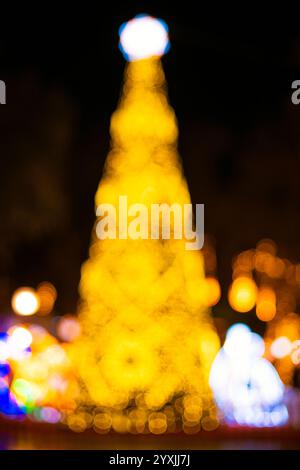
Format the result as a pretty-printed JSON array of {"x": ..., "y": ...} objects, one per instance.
[{"x": 147, "y": 339}]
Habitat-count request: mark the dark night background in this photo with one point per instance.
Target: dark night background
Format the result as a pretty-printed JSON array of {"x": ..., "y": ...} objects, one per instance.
[{"x": 239, "y": 135}]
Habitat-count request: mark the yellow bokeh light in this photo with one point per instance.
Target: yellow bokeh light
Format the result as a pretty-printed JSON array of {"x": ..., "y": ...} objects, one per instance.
[
  {"x": 102, "y": 422},
  {"x": 25, "y": 301},
  {"x": 211, "y": 291},
  {"x": 157, "y": 423},
  {"x": 242, "y": 294}
]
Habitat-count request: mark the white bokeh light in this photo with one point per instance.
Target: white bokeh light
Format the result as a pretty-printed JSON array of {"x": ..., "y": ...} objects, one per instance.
[
  {"x": 19, "y": 339},
  {"x": 143, "y": 37},
  {"x": 247, "y": 388},
  {"x": 238, "y": 340},
  {"x": 281, "y": 347},
  {"x": 4, "y": 351},
  {"x": 25, "y": 301}
]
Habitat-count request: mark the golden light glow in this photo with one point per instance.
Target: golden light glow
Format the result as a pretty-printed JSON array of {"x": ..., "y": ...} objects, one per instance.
[
  {"x": 278, "y": 281},
  {"x": 211, "y": 291},
  {"x": 146, "y": 333},
  {"x": 243, "y": 264},
  {"x": 242, "y": 294},
  {"x": 25, "y": 301},
  {"x": 266, "y": 304},
  {"x": 283, "y": 334},
  {"x": 47, "y": 295}
]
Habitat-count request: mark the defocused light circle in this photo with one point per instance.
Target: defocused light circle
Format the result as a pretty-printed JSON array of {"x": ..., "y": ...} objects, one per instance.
[
  {"x": 242, "y": 294},
  {"x": 19, "y": 338},
  {"x": 257, "y": 345},
  {"x": 47, "y": 295},
  {"x": 50, "y": 415},
  {"x": 295, "y": 354},
  {"x": 266, "y": 304},
  {"x": 281, "y": 347},
  {"x": 238, "y": 340},
  {"x": 211, "y": 291},
  {"x": 68, "y": 328},
  {"x": 25, "y": 301},
  {"x": 143, "y": 37}
]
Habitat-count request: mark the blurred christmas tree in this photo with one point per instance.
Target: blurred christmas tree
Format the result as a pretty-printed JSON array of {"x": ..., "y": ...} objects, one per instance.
[{"x": 147, "y": 341}]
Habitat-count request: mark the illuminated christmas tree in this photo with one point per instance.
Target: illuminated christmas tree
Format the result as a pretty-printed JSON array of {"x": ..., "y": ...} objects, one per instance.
[{"x": 147, "y": 341}]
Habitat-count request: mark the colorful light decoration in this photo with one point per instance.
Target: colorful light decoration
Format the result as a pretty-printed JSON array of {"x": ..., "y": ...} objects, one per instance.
[
  {"x": 37, "y": 377},
  {"x": 41, "y": 385},
  {"x": 277, "y": 281},
  {"x": 8, "y": 403},
  {"x": 246, "y": 386}
]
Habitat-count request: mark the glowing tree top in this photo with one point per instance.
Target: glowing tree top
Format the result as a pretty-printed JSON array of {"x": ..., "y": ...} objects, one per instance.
[{"x": 144, "y": 37}]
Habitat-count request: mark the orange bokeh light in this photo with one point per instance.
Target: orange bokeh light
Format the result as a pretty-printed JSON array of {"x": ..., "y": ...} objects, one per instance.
[{"x": 242, "y": 294}]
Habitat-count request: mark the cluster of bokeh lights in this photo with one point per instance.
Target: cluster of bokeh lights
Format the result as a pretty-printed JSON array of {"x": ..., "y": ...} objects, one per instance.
[{"x": 143, "y": 355}]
